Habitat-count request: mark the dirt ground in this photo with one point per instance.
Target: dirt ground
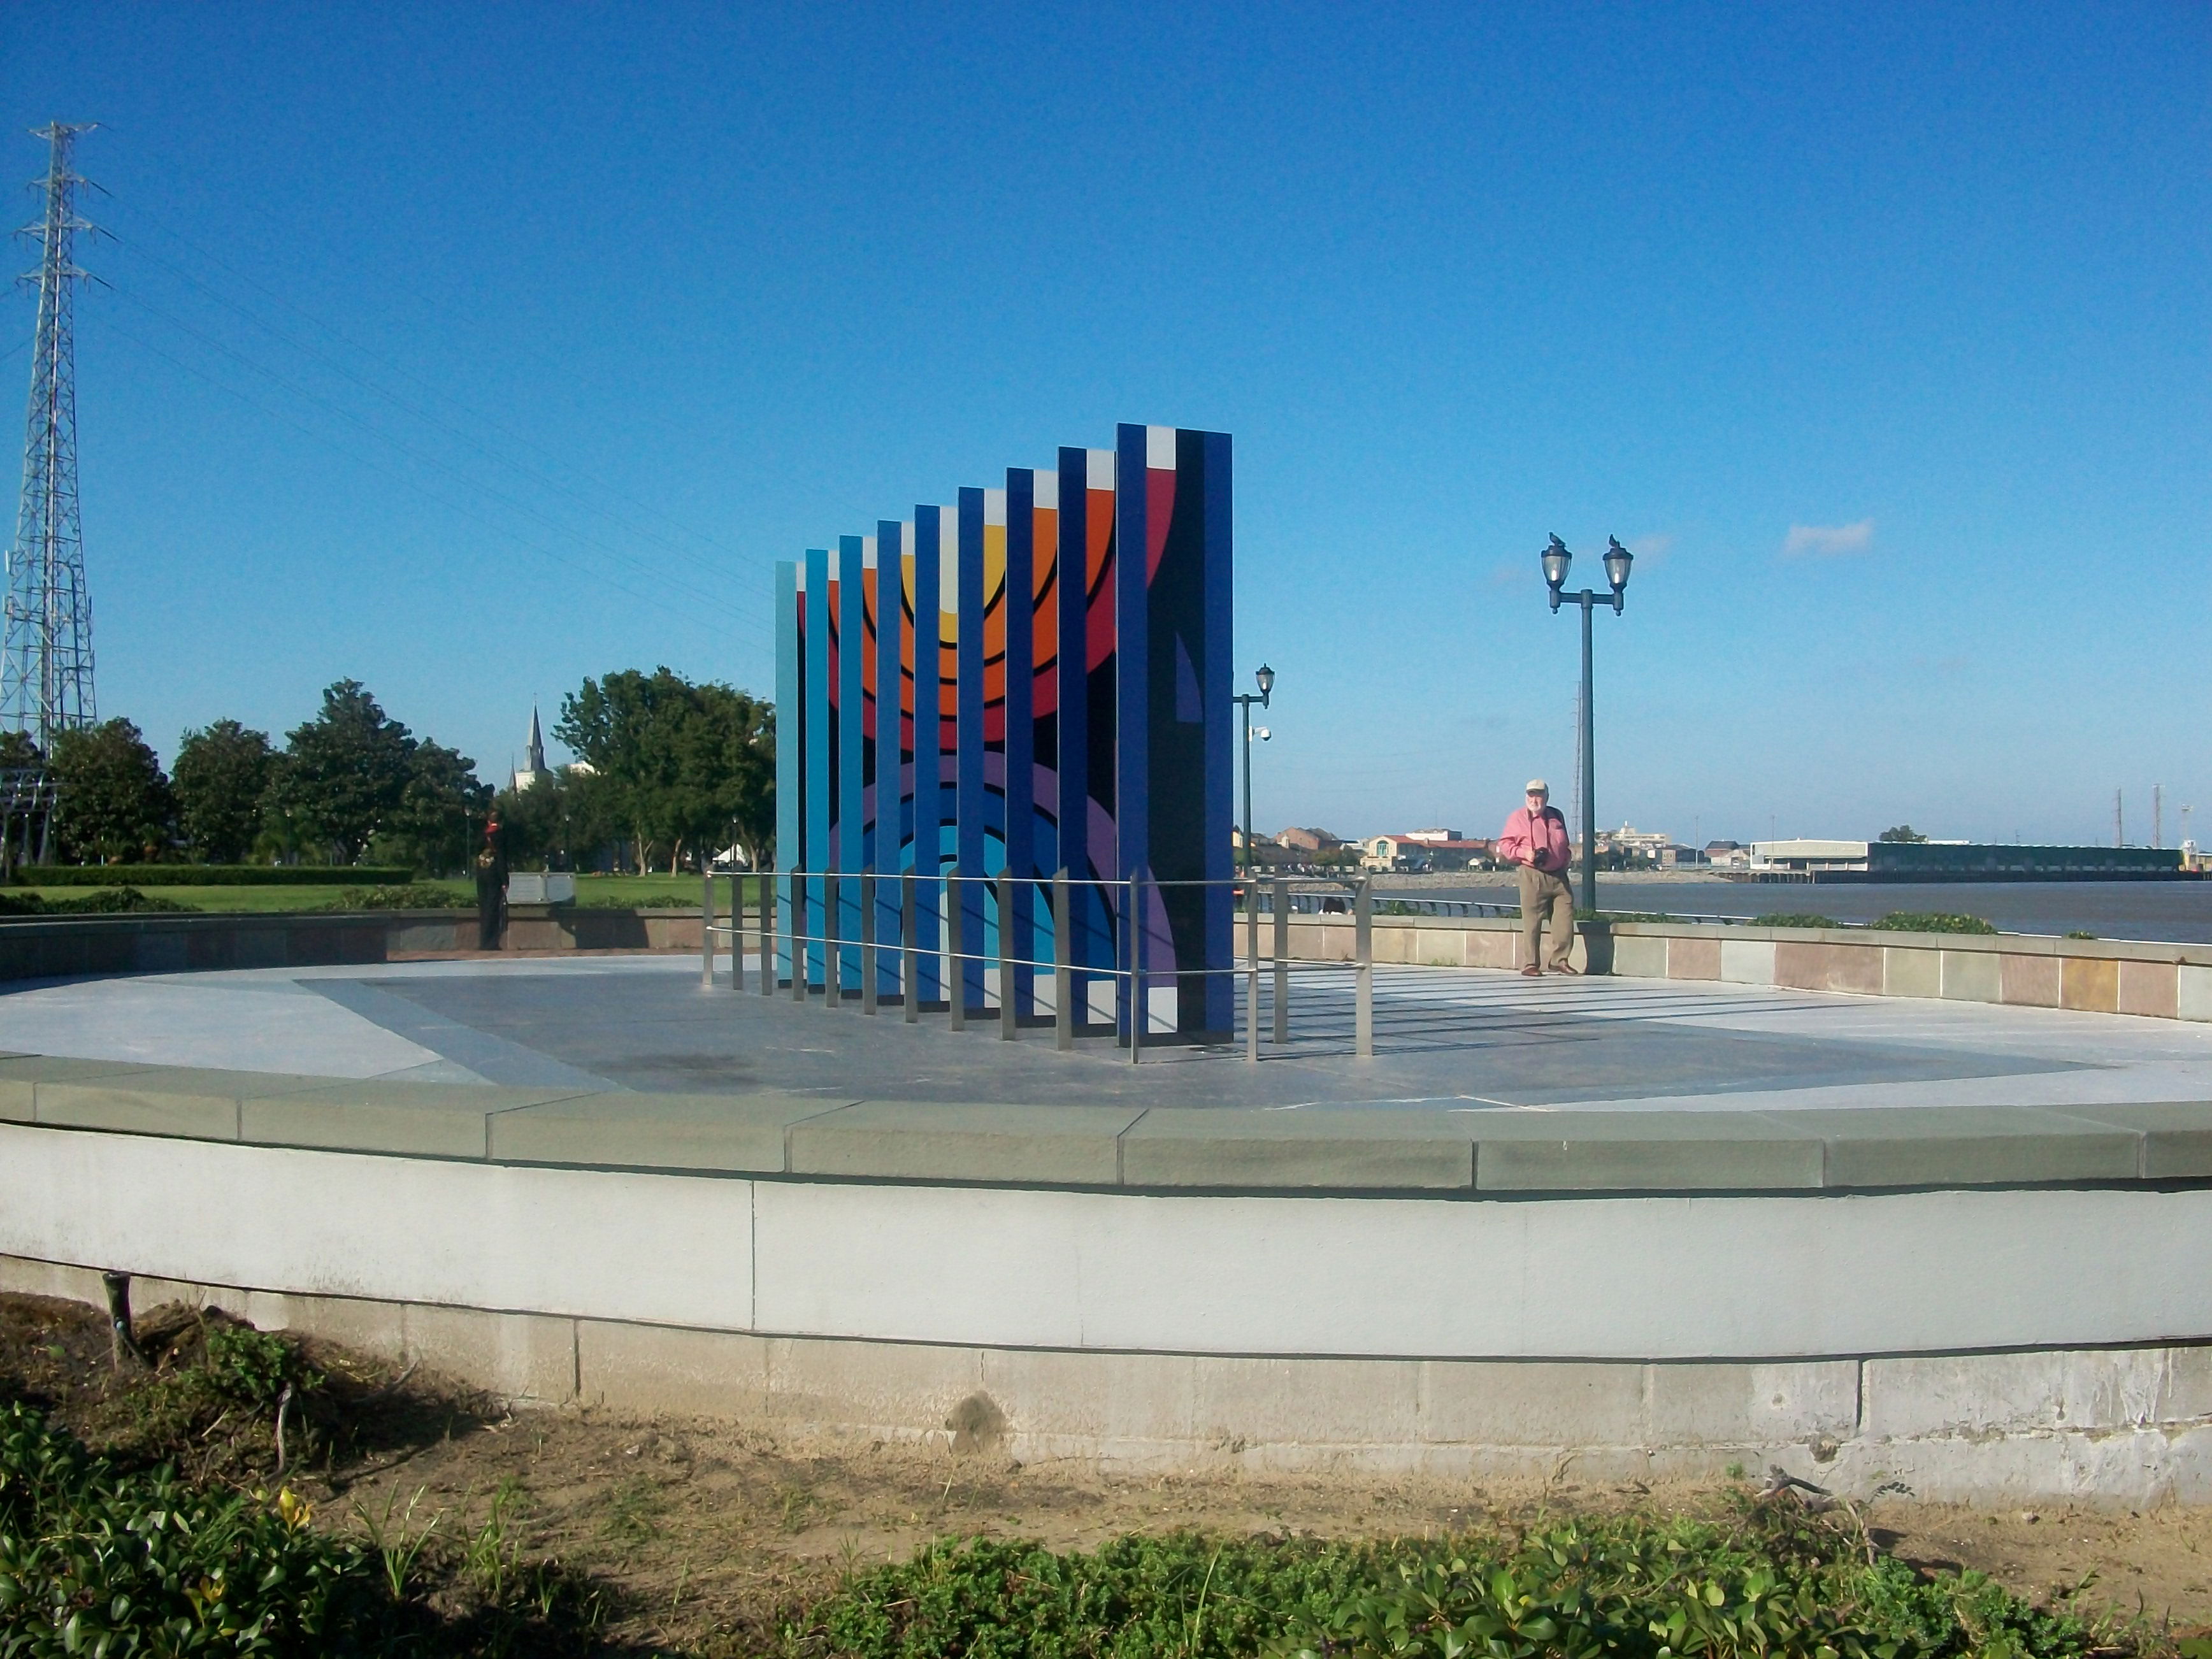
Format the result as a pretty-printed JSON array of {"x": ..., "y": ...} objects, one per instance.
[{"x": 706, "y": 1533}]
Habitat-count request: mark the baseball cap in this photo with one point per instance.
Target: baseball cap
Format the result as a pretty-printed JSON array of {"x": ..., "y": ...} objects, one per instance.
[{"x": 1537, "y": 787}]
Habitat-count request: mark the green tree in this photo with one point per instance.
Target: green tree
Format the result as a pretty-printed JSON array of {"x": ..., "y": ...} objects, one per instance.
[
  {"x": 1902, "y": 832},
  {"x": 222, "y": 773},
  {"x": 17, "y": 751},
  {"x": 681, "y": 767},
  {"x": 113, "y": 801},
  {"x": 353, "y": 774}
]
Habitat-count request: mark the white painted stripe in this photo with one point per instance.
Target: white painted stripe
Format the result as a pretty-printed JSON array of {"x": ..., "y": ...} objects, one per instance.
[
  {"x": 1160, "y": 448},
  {"x": 867, "y": 552},
  {"x": 1044, "y": 490},
  {"x": 994, "y": 507},
  {"x": 1098, "y": 469}
]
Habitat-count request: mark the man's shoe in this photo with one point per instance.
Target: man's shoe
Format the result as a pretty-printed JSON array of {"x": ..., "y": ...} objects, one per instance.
[
  {"x": 1532, "y": 971},
  {"x": 1564, "y": 969}
]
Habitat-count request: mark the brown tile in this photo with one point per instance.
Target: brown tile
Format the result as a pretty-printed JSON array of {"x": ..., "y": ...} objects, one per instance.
[
  {"x": 1693, "y": 958},
  {"x": 2150, "y": 988},
  {"x": 2029, "y": 981},
  {"x": 1808, "y": 966},
  {"x": 2090, "y": 984}
]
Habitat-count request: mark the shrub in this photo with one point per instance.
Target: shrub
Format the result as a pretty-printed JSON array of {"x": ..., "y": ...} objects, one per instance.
[
  {"x": 1794, "y": 919},
  {"x": 206, "y": 875},
  {"x": 405, "y": 895},
  {"x": 1931, "y": 922},
  {"x": 108, "y": 901},
  {"x": 97, "y": 1561}
]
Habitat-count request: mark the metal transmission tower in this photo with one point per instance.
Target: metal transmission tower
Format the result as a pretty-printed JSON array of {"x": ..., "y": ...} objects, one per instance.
[{"x": 46, "y": 676}]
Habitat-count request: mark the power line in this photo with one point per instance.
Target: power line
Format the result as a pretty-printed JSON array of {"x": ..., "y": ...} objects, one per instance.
[
  {"x": 444, "y": 394},
  {"x": 657, "y": 600},
  {"x": 746, "y": 620}
]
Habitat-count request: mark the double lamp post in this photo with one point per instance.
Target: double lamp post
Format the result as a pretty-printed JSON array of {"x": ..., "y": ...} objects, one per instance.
[{"x": 1617, "y": 560}]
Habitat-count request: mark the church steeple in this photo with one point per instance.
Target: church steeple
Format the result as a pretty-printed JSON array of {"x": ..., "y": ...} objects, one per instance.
[{"x": 535, "y": 761}]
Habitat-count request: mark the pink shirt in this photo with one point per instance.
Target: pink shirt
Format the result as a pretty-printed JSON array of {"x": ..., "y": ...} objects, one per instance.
[{"x": 1540, "y": 838}]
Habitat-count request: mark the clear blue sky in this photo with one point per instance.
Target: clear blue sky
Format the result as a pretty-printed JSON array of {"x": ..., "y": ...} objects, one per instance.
[{"x": 471, "y": 350}]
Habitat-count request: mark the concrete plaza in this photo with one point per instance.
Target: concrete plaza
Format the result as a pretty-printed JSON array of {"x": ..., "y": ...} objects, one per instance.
[{"x": 1447, "y": 1040}]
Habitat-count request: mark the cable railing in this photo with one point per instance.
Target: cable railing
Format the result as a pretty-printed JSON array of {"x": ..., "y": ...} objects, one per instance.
[{"x": 905, "y": 937}]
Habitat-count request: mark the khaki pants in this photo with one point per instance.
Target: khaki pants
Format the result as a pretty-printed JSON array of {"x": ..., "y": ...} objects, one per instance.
[{"x": 1542, "y": 890}]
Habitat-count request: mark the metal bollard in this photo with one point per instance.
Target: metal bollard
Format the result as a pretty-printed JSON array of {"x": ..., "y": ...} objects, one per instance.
[
  {"x": 868, "y": 942},
  {"x": 766, "y": 888},
  {"x": 1063, "y": 981},
  {"x": 955, "y": 935},
  {"x": 1251, "y": 967},
  {"x": 1009, "y": 1003},
  {"x": 706, "y": 929},
  {"x": 1136, "y": 932},
  {"x": 1282, "y": 960},
  {"x": 799, "y": 904},
  {"x": 909, "y": 954},
  {"x": 1363, "y": 930}
]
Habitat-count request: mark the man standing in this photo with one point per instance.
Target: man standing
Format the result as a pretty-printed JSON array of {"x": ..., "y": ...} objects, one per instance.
[{"x": 1535, "y": 839}]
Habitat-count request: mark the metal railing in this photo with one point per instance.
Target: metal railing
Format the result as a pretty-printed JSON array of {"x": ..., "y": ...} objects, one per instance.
[{"x": 890, "y": 943}]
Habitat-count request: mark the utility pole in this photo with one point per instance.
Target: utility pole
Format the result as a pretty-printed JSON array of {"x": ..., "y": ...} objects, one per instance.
[
  {"x": 2119, "y": 821},
  {"x": 2158, "y": 815},
  {"x": 45, "y": 670}
]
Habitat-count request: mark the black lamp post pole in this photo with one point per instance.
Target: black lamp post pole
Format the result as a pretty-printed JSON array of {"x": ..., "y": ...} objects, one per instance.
[
  {"x": 1266, "y": 676},
  {"x": 1617, "y": 561}
]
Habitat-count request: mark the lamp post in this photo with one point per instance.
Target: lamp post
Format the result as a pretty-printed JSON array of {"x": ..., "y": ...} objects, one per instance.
[
  {"x": 1556, "y": 559},
  {"x": 1264, "y": 676}
]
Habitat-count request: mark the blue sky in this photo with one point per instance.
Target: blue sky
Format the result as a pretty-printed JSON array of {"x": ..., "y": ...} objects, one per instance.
[{"x": 468, "y": 351}]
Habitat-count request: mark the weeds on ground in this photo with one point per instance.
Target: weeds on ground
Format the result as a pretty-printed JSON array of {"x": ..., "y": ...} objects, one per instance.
[{"x": 1931, "y": 922}]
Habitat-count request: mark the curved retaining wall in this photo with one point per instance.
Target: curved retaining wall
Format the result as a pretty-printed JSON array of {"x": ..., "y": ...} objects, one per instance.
[{"x": 1978, "y": 1304}]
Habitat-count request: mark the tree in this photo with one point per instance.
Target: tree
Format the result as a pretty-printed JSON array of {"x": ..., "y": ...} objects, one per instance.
[
  {"x": 1902, "y": 832},
  {"x": 682, "y": 767},
  {"x": 429, "y": 828},
  {"x": 113, "y": 801},
  {"x": 353, "y": 774},
  {"x": 222, "y": 774}
]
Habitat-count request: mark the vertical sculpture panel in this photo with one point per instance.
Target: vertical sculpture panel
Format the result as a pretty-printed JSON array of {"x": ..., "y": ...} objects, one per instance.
[
  {"x": 790, "y": 761},
  {"x": 1036, "y": 678}
]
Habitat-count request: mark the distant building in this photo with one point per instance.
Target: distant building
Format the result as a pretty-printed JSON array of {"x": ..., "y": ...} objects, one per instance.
[
  {"x": 1958, "y": 860},
  {"x": 1418, "y": 850},
  {"x": 1636, "y": 846},
  {"x": 534, "y": 768},
  {"x": 1728, "y": 855},
  {"x": 1296, "y": 839}
]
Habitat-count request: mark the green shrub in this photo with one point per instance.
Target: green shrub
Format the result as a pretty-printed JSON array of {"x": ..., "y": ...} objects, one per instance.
[
  {"x": 1769, "y": 1579},
  {"x": 404, "y": 895},
  {"x": 94, "y": 1561},
  {"x": 206, "y": 875},
  {"x": 106, "y": 901},
  {"x": 1794, "y": 919},
  {"x": 1931, "y": 922}
]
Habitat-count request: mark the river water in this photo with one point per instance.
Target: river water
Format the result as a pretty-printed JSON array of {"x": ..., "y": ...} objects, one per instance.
[{"x": 2177, "y": 911}]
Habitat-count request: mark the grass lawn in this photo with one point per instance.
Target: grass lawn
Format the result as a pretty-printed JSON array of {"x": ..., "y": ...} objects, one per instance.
[{"x": 612, "y": 891}]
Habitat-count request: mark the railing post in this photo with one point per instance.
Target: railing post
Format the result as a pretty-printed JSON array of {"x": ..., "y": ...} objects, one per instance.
[
  {"x": 1009, "y": 1003},
  {"x": 765, "y": 886},
  {"x": 909, "y": 956},
  {"x": 955, "y": 935},
  {"x": 1282, "y": 960},
  {"x": 833, "y": 969},
  {"x": 1363, "y": 929},
  {"x": 867, "y": 942},
  {"x": 706, "y": 929},
  {"x": 1063, "y": 982},
  {"x": 799, "y": 900},
  {"x": 1136, "y": 932},
  {"x": 1251, "y": 964}
]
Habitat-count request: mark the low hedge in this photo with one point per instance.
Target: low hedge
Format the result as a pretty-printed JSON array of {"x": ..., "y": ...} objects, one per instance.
[{"x": 212, "y": 875}]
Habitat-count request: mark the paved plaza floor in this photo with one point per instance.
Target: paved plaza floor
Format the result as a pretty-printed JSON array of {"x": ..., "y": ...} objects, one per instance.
[{"x": 1445, "y": 1039}]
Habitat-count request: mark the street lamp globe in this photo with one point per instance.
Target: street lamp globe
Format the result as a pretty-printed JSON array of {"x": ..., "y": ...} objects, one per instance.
[
  {"x": 1556, "y": 559},
  {"x": 1266, "y": 677},
  {"x": 1616, "y": 561}
]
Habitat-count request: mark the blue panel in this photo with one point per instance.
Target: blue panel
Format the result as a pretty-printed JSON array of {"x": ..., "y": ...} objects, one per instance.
[
  {"x": 852, "y": 855},
  {"x": 970, "y": 804},
  {"x": 889, "y": 822},
  {"x": 928, "y": 809},
  {"x": 1218, "y": 629},
  {"x": 816, "y": 788},
  {"x": 1021, "y": 718},
  {"x": 790, "y": 738},
  {"x": 1132, "y": 722}
]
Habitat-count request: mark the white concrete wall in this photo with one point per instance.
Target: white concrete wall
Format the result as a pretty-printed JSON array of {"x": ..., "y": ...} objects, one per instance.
[{"x": 1635, "y": 1279}]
